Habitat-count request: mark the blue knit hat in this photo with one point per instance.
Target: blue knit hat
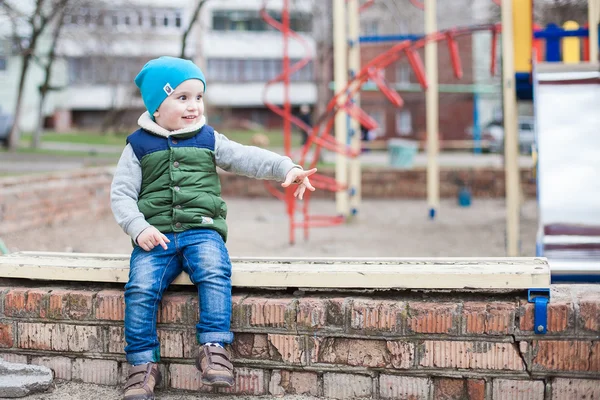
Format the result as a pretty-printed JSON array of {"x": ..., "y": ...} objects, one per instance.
[{"x": 159, "y": 77}]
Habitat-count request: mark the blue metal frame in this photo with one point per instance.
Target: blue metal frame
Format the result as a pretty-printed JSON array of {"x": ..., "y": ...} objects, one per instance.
[{"x": 540, "y": 298}]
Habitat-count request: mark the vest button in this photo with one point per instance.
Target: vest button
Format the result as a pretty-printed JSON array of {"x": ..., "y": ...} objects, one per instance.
[
  {"x": 178, "y": 225},
  {"x": 176, "y": 164},
  {"x": 178, "y": 207},
  {"x": 174, "y": 141},
  {"x": 176, "y": 188}
]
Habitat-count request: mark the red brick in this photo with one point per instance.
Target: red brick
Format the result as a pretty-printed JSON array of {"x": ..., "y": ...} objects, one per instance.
[
  {"x": 289, "y": 348},
  {"x": 186, "y": 377},
  {"x": 13, "y": 358},
  {"x": 76, "y": 338},
  {"x": 554, "y": 355},
  {"x": 378, "y": 316},
  {"x": 470, "y": 355},
  {"x": 34, "y": 336},
  {"x": 353, "y": 352},
  {"x": 101, "y": 372},
  {"x": 6, "y": 335},
  {"x": 179, "y": 309},
  {"x": 171, "y": 343},
  {"x": 505, "y": 389},
  {"x": 270, "y": 312},
  {"x": 249, "y": 345},
  {"x": 239, "y": 318},
  {"x": 14, "y": 302},
  {"x": 299, "y": 383},
  {"x": 575, "y": 389},
  {"x": 317, "y": 313},
  {"x": 488, "y": 318},
  {"x": 449, "y": 389},
  {"x": 69, "y": 304},
  {"x": 395, "y": 387},
  {"x": 116, "y": 339},
  {"x": 110, "y": 305},
  {"x": 247, "y": 381},
  {"x": 61, "y": 366},
  {"x": 595, "y": 357},
  {"x": 475, "y": 389},
  {"x": 429, "y": 317},
  {"x": 561, "y": 317},
  {"x": 347, "y": 386},
  {"x": 291, "y": 382},
  {"x": 589, "y": 315}
]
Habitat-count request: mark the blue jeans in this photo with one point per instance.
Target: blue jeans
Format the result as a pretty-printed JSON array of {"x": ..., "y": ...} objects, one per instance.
[{"x": 203, "y": 255}]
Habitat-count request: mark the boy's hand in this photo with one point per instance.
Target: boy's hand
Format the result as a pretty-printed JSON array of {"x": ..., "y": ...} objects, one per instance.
[
  {"x": 300, "y": 177},
  {"x": 150, "y": 238}
]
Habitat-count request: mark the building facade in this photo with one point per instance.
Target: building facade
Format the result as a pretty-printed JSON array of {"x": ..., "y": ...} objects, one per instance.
[{"x": 104, "y": 45}]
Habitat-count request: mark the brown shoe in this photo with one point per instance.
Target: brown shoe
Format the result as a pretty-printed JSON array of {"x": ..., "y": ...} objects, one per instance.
[
  {"x": 213, "y": 362},
  {"x": 141, "y": 382}
]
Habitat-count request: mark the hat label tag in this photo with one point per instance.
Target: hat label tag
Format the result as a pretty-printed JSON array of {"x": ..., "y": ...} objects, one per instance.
[{"x": 168, "y": 89}]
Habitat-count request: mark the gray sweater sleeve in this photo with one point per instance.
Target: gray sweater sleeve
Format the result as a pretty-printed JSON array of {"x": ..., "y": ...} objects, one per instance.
[
  {"x": 124, "y": 192},
  {"x": 251, "y": 161}
]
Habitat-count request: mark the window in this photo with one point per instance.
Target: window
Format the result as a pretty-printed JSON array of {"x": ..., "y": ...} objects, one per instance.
[
  {"x": 253, "y": 70},
  {"x": 379, "y": 117},
  {"x": 404, "y": 123},
  {"x": 103, "y": 70},
  {"x": 403, "y": 74},
  {"x": 127, "y": 18},
  {"x": 370, "y": 28},
  {"x": 251, "y": 21}
]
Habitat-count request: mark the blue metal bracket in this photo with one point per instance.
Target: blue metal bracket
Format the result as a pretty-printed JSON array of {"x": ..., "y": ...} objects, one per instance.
[{"x": 540, "y": 299}]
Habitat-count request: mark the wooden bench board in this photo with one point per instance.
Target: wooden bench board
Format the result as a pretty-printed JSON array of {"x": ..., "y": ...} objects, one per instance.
[{"x": 335, "y": 272}]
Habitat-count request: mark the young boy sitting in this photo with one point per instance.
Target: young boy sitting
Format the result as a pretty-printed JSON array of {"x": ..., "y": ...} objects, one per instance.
[{"x": 166, "y": 195}]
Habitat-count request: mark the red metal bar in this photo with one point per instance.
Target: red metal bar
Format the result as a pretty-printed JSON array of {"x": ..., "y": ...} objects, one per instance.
[
  {"x": 494, "y": 55},
  {"x": 417, "y": 65},
  {"x": 454, "y": 55},
  {"x": 390, "y": 93},
  {"x": 365, "y": 5},
  {"x": 420, "y": 5}
]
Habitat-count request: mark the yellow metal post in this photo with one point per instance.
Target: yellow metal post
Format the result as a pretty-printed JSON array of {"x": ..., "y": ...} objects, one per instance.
[
  {"x": 511, "y": 158},
  {"x": 340, "y": 77},
  {"x": 571, "y": 47},
  {"x": 522, "y": 28},
  {"x": 432, "y": 110}
]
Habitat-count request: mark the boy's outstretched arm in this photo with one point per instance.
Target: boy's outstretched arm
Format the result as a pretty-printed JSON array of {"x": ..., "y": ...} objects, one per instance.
[
  {"x": 251, "y": 161},
  {"x": 124, "y": 192}
]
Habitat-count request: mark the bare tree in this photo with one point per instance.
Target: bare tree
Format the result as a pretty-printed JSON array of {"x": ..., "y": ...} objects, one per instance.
[
  {"x": 36, "y": 21},
  {"x": 193, "y": 19},
  {"x": 46, "y": 87}
]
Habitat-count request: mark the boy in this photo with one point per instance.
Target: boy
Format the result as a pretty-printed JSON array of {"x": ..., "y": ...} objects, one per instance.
[{"x": 166, "y": 195}]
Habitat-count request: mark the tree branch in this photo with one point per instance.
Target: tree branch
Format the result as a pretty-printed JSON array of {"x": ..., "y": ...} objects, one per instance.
[{"x": 193, "y": 19}]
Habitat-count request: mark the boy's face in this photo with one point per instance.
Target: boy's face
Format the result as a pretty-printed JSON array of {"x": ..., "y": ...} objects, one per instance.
[{"x": 184, "y": 107}]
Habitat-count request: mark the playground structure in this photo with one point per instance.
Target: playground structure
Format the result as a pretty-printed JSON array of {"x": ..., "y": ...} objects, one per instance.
[
  {"x": 519, "y": 45},
  {"x": 343, "y": 112}
]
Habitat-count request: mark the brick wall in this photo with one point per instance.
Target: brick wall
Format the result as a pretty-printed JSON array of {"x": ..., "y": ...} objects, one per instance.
[
  {"x": 382, "y": 183},
  {"x": 39, "y": 200},
  {"x": 36, "y": 200},
  {"x": 389, "y": 345}
]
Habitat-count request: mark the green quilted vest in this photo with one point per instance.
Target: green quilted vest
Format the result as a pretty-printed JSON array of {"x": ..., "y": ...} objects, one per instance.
[{"x": 180, "y": 186}]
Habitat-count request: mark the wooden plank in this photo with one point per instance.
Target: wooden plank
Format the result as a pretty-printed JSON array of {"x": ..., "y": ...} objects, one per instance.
[{"x": 335, "y": 272}]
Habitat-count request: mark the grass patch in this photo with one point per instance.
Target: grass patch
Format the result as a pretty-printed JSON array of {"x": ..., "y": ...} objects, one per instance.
[
  {"x": 80, "y": 137},
  {"x": 67, "y": 153}
]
